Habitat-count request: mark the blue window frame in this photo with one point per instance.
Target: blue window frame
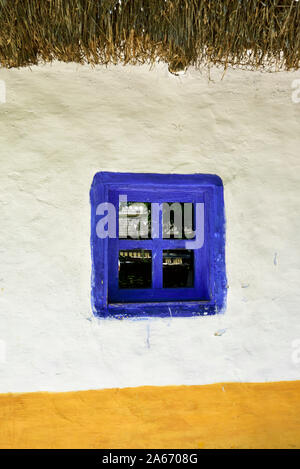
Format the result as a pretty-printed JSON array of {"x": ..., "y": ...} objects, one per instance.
[{"x": 177, "y": 276}]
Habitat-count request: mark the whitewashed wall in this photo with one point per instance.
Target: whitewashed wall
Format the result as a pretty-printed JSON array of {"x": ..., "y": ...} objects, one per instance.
[{"x": 61, "y": 124}]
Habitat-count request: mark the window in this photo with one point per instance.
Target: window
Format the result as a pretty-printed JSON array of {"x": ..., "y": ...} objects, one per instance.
[{"x": 158, "y": 245}]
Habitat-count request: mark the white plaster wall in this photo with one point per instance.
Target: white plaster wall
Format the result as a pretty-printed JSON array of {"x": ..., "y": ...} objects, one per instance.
[{"x": 63, "y": 123}]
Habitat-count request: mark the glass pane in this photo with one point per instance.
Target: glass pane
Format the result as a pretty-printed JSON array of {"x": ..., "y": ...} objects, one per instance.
[
  {"x": 178, "y": 268},
  {"x": 135, "y": 269},
  {"x": 178, "y": 220},
  {"x": 135, "y": 220}
]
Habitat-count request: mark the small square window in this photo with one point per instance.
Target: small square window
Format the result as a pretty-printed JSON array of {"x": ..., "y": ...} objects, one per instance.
[{"x": 158, "y": 245}]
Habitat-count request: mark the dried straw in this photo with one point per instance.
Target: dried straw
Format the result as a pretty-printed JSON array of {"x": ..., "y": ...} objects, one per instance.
[{"x": 252, "y": 33}]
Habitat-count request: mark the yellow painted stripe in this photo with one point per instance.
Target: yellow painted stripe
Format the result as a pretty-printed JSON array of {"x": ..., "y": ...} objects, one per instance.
[{"x": 233, "y": 415}]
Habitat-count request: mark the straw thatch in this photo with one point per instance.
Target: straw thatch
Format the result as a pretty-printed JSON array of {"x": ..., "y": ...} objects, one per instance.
[{"x": 251, "y": 33}]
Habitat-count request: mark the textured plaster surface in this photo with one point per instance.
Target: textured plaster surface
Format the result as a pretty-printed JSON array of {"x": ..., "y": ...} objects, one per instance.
[{"x": 63, "y": 123}]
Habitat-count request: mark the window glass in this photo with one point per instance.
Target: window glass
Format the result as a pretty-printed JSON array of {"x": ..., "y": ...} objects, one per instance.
[
  {"x": 178, "y": 268},
  {"x": 178, "y": 220},
  {"x": 135, "y": 268},
  {"x": 134, "y": 220}
]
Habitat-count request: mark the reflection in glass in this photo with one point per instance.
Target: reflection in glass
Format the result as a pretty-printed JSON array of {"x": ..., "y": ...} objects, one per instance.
[
  {"x": 178, "y": 220},
  {"x": 135, "y": 220},
  {"x": 135, "y": 268}
]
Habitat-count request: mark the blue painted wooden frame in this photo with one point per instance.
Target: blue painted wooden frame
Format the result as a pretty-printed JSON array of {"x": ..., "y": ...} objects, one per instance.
[{"x": 209, "y": 295}]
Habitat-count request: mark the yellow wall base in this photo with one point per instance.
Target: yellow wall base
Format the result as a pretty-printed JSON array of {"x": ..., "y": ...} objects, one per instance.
[{"x": 233, "y": 415}]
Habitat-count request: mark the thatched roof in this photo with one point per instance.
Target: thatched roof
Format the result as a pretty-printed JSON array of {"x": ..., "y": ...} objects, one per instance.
[{"x": 252, "y": 33}]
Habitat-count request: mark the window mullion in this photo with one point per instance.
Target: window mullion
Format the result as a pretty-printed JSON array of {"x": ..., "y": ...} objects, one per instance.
[{"x": 157, "y": 264}]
